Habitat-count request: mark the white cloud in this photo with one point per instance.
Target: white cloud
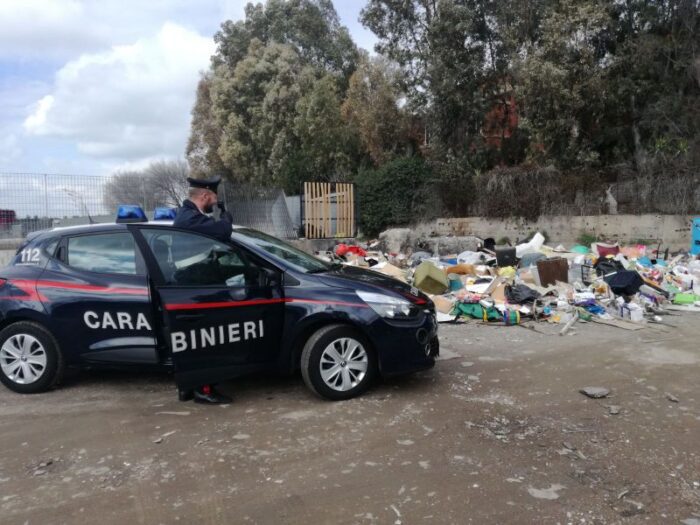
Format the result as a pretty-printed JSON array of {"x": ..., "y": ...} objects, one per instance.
[
  {"x": 63, "y": 29},
  {"x": 90, "y": 85},
  {"x": 37, "y": 120},
  {"x": 33, "y": 27},
  {"x": 130, "y": 102}
]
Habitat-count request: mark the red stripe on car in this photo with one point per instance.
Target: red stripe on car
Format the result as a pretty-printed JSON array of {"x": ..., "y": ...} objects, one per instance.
[
  {"x": 92, "y": 288},
  {"x": 221, "y": 304},
  {"x": 254, "y": 302},
  {"x": 28, "y": 287}
]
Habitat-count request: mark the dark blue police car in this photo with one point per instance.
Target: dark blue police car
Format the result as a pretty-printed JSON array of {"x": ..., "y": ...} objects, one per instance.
[{"x": 147, "y": 294}]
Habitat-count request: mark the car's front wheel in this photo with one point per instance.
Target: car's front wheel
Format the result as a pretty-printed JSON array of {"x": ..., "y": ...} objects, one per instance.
[
  {"x": 338, "y": 363},
  {"x": 30, "y": 360}
]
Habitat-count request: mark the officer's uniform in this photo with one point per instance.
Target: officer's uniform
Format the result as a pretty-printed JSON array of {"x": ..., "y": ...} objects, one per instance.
[{"x": 189, "y": 217}]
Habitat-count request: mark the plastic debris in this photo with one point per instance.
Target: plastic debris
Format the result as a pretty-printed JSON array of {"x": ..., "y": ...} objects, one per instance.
[{"x": 630, "y": 287}]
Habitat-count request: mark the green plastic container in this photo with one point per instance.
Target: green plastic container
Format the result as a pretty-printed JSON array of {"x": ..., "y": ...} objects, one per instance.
[{"x": 685, "y": 298}]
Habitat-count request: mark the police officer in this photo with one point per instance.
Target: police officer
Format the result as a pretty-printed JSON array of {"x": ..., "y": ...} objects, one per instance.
[{"x": 194, "y": 216}]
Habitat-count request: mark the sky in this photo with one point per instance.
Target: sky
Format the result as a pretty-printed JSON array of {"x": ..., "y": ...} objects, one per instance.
[{"x": 96, "y": 86}]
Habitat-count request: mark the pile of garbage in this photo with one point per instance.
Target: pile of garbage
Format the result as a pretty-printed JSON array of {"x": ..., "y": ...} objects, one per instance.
[{"x": 624, "y": 286}]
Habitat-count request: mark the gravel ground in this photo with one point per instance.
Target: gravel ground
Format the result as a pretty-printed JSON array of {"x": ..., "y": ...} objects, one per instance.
[{"x": 497, "y": 433}]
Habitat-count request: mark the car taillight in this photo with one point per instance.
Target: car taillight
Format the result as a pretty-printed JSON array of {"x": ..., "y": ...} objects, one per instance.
[{"x": 2, "y": 282}]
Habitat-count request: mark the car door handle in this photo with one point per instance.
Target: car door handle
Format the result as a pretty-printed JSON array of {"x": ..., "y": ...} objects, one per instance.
[{"x": 189, "y": 317}]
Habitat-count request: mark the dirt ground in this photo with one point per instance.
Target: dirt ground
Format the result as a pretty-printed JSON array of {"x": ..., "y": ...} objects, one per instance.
[{"x": 497, "y": 433}]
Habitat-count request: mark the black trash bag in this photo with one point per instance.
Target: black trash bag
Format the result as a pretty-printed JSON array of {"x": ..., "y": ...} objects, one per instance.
[
  {"x": 624, "y": 282},
  {"x": 605, "y": 266},
  {"x": 521, "y": 294}
]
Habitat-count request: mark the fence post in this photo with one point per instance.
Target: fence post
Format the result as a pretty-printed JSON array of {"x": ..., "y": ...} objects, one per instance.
[{"x": 46, "y": 196}]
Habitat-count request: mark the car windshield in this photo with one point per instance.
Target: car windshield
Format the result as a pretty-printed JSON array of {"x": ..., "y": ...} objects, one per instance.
[{"x": 295, "y": 257}]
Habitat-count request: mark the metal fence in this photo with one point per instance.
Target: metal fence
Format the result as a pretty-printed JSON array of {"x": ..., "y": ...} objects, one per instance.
[
  {"x": 265, "y": 209},
  {"x": 30, "y": 202}
]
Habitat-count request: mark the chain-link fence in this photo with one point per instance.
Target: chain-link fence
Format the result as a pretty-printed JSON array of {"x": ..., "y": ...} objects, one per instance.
[
  {"x": 265, "y": 209},
  {"x": 30, "y": 202}
]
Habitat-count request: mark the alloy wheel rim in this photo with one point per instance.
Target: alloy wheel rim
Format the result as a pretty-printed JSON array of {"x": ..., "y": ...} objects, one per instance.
[
  {"x": 23, "y": 359},
  {"x": 344, "y": 364}
]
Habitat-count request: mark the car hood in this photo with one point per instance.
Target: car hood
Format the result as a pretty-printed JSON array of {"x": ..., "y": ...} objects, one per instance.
[{"x": 351, "y": 277}]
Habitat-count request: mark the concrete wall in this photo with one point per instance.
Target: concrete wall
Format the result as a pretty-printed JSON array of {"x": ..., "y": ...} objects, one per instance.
[{"x": 673, "y": 231}]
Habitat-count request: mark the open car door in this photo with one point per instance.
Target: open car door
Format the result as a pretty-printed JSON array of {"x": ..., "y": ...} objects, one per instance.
[{"x": 222, "y": 308}]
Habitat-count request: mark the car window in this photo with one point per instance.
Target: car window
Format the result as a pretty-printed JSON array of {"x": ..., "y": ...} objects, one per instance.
[
  {"x": 50, "y": 246},
  {"x": 103, "y": 253},
  {"x": 293, "y": 256},
  {"x": 189, "y": 259}
]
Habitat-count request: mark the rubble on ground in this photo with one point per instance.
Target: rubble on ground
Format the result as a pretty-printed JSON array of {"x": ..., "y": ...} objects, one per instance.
[{"x": 625, "y": 286}]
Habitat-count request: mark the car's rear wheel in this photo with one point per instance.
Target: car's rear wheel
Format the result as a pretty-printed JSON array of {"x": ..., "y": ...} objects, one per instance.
[
  {"x": 30, "y": 360},
  {"x": 338, "y": 363}
]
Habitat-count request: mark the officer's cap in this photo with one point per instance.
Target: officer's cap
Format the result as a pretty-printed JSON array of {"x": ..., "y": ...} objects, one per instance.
[{"x": 208, "y": 184}]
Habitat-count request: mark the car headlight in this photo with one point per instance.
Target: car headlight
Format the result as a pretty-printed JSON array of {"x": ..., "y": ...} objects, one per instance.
[{"x": 388, "y": 306}]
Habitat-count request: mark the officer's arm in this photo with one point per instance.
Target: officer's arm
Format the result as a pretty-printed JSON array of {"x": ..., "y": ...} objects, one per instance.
[{"x": 220, "y": 229}]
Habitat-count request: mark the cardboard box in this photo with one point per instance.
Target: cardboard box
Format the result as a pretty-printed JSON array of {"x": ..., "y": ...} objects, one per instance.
[
  {"x": 390, "y": 270},
  {"x": 461, "y": 269},
  {"x": 430, "y": 278},
  {"x": 443, "y": 304}
]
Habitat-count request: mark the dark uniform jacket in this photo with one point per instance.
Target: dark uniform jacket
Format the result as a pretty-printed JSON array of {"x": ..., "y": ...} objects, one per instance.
[{"x": 190, "y": 218}]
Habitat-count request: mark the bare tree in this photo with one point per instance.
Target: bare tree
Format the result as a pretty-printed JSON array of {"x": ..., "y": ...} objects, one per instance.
[
  {"x": 168, "y": 179},
  {"x": 162, "y": 183}
]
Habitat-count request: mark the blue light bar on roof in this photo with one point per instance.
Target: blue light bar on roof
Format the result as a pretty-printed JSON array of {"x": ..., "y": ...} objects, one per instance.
[
  {"x": 131, "y": 213},
  {"x": 164, "y": 214}
]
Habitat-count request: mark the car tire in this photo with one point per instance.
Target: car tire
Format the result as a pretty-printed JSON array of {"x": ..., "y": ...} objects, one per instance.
[
  {"x": 338, "y": 363},
  {"x": 30, "y": 359}
]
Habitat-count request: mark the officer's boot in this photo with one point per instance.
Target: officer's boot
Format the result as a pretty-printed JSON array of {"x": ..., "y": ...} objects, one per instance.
[{"x": 207, "y": 394}]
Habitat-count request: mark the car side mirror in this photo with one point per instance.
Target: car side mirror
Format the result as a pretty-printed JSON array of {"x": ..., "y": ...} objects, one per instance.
[{"x": 270, "y": 277}]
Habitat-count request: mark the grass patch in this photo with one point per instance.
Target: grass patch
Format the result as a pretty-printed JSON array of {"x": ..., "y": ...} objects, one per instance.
[{"x": 586, "y": 238}]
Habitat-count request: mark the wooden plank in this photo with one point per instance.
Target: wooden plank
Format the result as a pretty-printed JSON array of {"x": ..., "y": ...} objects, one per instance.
[
  {"x": 340, "y": 211},
  {"x": 348, "y": 214},
  {"x": 319, "y": 212},
  {"x": 314, "y": 196},
  {"x": 322, "y": 210},
  {"x": 312, "y": 210},
  {"x": 306, "y": 210},
  {"x": 319, "y": 200},
  {"x": 340, "y": 189},
  {"x": 346, "y": 230},
  {"x": 352, "y": 211},
  {"x": 328, "y": 229},
  {"x": 324, "y": 202}
]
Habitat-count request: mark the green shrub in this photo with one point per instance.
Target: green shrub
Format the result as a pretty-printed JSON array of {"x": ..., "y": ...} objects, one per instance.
[
  {"x": 644, "y": 242},
  {"x": 391, "y": 195},
  {"x": 586, "y": 239}
]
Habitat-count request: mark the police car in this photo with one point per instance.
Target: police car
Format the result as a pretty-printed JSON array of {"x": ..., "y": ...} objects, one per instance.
[{"x": 146, "y": 294}]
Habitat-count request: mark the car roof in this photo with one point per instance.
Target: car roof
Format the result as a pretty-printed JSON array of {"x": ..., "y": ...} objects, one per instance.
[{"x": 103, "y": 226}]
